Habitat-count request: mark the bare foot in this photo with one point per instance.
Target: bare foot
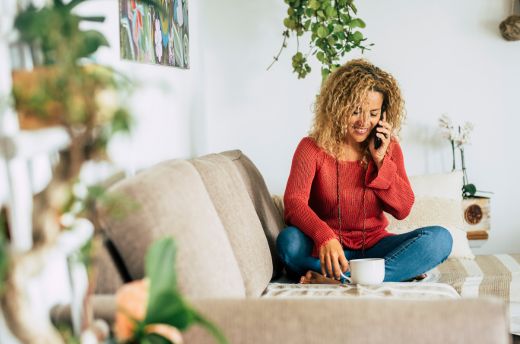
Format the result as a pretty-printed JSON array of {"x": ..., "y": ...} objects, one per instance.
[
  {"x": 417, "y": 278},
  {"x": 420, "y": 277},
  {"x": 312, "y": 277}
]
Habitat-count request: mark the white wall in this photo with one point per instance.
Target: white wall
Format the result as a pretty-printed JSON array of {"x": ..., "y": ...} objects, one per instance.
[{"x": 448, "y": 57}]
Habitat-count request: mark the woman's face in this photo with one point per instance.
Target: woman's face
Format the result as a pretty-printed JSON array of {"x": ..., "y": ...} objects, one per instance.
[{"x": 364, "y": 119}]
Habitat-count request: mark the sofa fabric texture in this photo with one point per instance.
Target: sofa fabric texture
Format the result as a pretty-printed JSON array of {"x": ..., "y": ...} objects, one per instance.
[
  {"x": 268, "y": 214},
  {"x": 342, "y": 320},
  {"x": 237, "y": 213},
  {"x": 171, "y": 200}
]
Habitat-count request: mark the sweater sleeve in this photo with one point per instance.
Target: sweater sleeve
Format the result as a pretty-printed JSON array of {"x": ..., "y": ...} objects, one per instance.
[
  {"x": 297, "y": 211},
  {"x": 391, "y": 184}
]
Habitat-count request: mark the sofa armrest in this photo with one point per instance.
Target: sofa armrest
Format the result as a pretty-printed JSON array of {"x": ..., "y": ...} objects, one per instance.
[
  {"x": 354, "y": 321},
  {"x": 340, "y": 320}
]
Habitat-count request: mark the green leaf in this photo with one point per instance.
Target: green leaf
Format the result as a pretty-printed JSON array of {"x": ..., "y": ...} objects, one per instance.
[
  {"x": 344, "y": 17},
  {"x": 338, "y": 28},
  {"x": 314, "y": 4},
  {"x": 357, "y": 23},
  {"x": 74, "y": 3},
  {"x": 320, "y": 56},
  {"x": 167, "y": 307},
  {"x": 322, "y": 32},
  {"x": 121, "y": 121},
  {"x": 92, "y": 41},
  {"x": 289, "y": 23},
  {"x": 154, "y": 338},
  {"x": 211, "y": 328},
  {"x": 353, "y": 7},
  {"x": 357, "y": 36},
  {"x": 160, "y": 267},
  {"x": 97, "y": 19},
  {"x": 330, "y": 12},
  {"x": 325, "y": 72}
]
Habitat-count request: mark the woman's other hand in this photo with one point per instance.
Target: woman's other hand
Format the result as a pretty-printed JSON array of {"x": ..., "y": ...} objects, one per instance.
[
  {"x": 384, "y": 132},
  {"x": 332, "y": 259}
]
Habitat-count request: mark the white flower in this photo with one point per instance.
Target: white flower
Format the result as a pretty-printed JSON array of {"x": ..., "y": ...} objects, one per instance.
[
  {"x": 448, "y": 131},
  {"x": 463, "y": 135},
  {"x": 459, "y": 136}
]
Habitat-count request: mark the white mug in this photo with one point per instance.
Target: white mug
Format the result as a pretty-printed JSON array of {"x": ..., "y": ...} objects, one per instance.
[{"x": 366, "y": 271}]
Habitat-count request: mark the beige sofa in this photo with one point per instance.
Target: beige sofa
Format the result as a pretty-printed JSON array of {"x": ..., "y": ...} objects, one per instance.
[{"x": 225, "y": 224}]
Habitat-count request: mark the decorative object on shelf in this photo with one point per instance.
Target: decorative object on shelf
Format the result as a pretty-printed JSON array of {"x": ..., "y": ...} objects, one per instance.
[
  {"x": 155, "y": 35},
  {"x": 152, "y": 310},
  {"x": 332, "y": 26},
  {"x": 510, "y": 27},
  {"x": 475, "y": 207},
  {"x": 477, "y": 215}
]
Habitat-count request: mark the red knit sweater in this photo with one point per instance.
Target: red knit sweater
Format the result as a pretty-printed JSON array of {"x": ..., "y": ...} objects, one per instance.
[{"x": 311, "y": 196}]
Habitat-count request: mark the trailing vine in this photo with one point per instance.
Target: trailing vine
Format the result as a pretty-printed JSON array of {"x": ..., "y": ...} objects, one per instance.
[{"x": 332, "y": 25}]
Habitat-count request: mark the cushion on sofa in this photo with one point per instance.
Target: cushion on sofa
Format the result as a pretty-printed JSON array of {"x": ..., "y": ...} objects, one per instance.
[
  {"x": 429, "y": 211},
  {"x": 171, "y": 200},
  {"x": 269, "y": 216},
  {"x": 445, "y": 185},
  {"x": 237, "y": 213}
]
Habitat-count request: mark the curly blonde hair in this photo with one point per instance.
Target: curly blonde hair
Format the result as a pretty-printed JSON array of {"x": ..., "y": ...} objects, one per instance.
[{"x": 344, "y": 92}]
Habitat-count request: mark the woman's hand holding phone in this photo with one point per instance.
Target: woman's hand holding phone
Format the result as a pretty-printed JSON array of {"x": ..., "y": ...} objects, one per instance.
[
  {"x": 332, "y": 259},
  {"x": 383, "y": 131}
]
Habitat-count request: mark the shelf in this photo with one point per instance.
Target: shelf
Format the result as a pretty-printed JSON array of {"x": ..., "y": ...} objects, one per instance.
[{"x": 27, "y": 144}]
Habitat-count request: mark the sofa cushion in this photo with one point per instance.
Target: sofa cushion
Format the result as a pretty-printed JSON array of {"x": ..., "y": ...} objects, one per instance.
[
  {"x": 237, "y": 213},
  {"x": 438, "y": 211},
  {"x": 171, "y": 200},
  {"x": 107, "y": 277},
  {"x": 445, "y": 185},
  {"x": 438, "y": 200},
  {"x": 269, "y": 216}
]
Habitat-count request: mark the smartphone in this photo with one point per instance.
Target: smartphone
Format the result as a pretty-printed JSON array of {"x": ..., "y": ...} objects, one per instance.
[{"x": 377, "y": 140}]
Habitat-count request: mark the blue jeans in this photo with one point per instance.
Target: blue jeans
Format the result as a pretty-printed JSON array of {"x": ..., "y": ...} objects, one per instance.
[{"x": 406, "y": 255}]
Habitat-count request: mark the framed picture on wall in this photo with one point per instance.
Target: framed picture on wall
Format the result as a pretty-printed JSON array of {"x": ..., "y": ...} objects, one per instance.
[{"x": 149, "y": 35}]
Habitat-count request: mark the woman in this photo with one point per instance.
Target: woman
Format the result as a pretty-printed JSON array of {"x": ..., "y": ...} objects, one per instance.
[{"x": 341, "y": 182}]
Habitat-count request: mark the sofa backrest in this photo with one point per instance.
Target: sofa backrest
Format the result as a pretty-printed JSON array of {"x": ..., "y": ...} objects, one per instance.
[
  {"x": 207, "y": 207},
  {"x": 271, "y": 219}
]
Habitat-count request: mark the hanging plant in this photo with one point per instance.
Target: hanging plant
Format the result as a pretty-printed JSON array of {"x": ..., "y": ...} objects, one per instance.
[{"x": 333, "y": 28}]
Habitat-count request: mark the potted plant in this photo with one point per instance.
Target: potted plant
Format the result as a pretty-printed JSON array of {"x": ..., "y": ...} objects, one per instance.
[
  {"x": 152, "y": 310},
  {"x": 475, "y": 204}
]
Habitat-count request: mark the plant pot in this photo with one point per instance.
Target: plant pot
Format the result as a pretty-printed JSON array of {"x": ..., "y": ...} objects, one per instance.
[{"x": 35, "y": 103}]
